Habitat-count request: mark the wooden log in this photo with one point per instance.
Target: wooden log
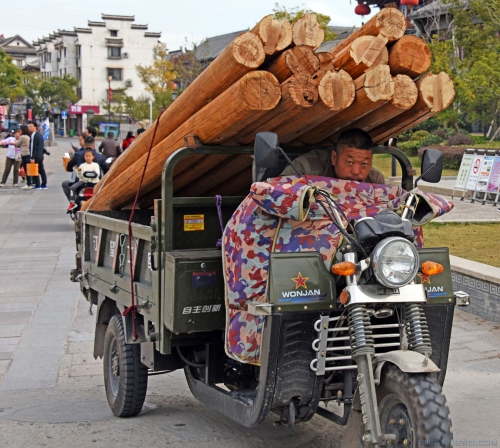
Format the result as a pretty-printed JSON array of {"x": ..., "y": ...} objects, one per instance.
[
  {"x": 410, "y": 56},
  {"x": 297, "y": 94},
  {"x": 238, "y": 184},
  {"x": 389, "y": 24},
  {"x": 364, "y": 53},
  {"x": 336, "y": 92},
  {"x": 307, "y": 31},
  {"x": 298, "y": 61},
  {"x": 276, "y": 35},
  {"x": 436, "y": 93},
  {"x": 233, "y": 110},
  {"x": 243, "y": 55},
  {"x": 373, "y": 89},
  {"x": 404, "y": 98}
]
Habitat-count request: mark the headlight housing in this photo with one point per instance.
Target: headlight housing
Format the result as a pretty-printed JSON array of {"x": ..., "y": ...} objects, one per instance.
[{"x": 395, "y": 262}]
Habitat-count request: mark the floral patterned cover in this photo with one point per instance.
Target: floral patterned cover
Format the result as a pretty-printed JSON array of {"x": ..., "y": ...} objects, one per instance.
[{"x": 280, "y": 215}]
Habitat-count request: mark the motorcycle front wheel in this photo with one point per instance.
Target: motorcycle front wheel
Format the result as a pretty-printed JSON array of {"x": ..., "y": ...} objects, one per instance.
[{"x": 413, "y": 407}]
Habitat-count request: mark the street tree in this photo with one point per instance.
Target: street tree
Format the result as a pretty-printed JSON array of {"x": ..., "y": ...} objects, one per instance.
[
  {"x": 295, "y": 13},
  {"x": 10, "y": 80}
]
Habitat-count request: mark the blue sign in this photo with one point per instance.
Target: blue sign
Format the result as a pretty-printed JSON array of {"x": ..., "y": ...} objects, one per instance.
[{"x": 64, "y": 114}]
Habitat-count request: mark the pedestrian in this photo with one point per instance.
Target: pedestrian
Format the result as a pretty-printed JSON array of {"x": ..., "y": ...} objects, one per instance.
[
  {"x": 36, "y": 156},
  {"x": 13, "y": 158},
  {"x": 127, "y": 141},
  {"x": 110, "y": 147},
  {"x": 24, "y": 145},
  {"x": 140, "y": 131},
  {"x": 90, "y": 130}
]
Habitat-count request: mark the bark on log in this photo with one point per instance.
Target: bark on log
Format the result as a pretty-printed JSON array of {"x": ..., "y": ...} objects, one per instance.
[
  {"x": 233, "y": 110},
  {"x": 243, "y": 55},
  {"x": 364, "y": 53},
  {"x": 389, "y": 23},
  {"x": 410, "y": 56},
  {"x": 336, "y": 92},
  {"x": 404, "y": 98},
  {"x": 275, "y": 35},
  {"x": 307, "y": 31},
  {"x": 436, "y": 93},
  {"x": 297, "y": 61},
  {"x": 373, "y": 89},
  {"x": 297, "y": 94}
]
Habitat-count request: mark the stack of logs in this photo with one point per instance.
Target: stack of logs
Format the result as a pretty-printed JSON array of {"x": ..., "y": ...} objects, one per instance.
[{"x": 273, "y": 79}]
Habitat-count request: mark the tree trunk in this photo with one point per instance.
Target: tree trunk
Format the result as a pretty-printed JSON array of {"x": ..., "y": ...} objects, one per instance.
[
  {"x": 297, "y": 61},
  {"x": 410, "y": 56},
  {"x": 436, "y": 93},
  {"x": 373, "y": 89},
  {"x": 222, "y": 118},
  {"x": 405, "y": 97},
  {"x": 275, "y": 35},
  {"x": 364, "y": 53},
  {"x": 243, "y": 55},
  {"x": 389, "y": 23},
  {"x": 336, "y": 92},
  {"x": 307, "y": 31}
]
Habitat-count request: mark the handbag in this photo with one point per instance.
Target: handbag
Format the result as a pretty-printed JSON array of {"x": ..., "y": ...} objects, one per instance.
[{"x": 22, "y": 173}]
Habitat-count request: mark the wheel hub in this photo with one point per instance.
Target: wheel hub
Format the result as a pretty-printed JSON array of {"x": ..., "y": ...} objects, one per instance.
[
  {"x": 399, "y": 423},
  {"x": 115, "y": 365}
]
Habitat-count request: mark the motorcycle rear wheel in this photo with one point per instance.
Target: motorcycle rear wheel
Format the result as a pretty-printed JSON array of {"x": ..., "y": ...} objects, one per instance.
[{"x": 413, "y": 407}]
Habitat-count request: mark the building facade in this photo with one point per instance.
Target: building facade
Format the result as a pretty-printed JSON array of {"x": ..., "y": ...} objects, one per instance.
[{"x": 101, "y": 56}]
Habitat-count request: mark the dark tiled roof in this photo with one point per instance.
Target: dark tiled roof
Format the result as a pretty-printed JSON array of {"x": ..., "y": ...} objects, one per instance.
[{"x": 211, "y": 47}]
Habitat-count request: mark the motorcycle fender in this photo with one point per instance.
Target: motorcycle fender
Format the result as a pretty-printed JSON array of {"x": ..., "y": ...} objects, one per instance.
[{"x": 408, "y": 361}]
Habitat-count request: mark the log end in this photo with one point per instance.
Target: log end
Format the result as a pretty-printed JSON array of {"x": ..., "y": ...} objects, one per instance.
[
  {"x": 307, "y": 31},
  {"x": 260, "y": 90},
  {"x": 248, "y": 50},
  {"x": 336, "y": 90},
  {"x": 301, "y": 90},
  {"x": 405, "y": 92},
  {"x": 391, "y": 23},
  {"x": 410, "y": 56},
  {"x": 370, "y": 50},
  {"x": 379, "y": 84},
  {"x": 437, "y": 91},
  {"x": 275, "y": 35}
]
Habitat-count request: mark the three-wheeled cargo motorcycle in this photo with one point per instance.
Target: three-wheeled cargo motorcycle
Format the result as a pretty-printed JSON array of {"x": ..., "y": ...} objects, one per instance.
[{"x": 375, "y": 343}]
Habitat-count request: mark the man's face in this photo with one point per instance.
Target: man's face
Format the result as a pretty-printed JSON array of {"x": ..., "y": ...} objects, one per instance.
[
  {"x": 31, "y": 128},
  {"x": 352, "y": 163},
  {"x": 89, "y": 157}
]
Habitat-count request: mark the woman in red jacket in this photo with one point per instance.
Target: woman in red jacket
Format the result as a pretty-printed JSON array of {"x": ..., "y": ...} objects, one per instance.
[{"x": 127, "y": 141}]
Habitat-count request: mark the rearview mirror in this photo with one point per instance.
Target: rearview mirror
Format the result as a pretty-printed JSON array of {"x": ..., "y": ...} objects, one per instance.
[
  {"x": 432, "y": 166},
  {"x": 266, "y": 152}
]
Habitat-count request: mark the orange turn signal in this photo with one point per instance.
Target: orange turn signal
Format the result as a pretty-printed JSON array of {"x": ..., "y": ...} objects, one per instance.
[
  {"x": 345, "y": 268},
  {"x": 431, "y": 268},
  {"x": 344, "y": 297}
]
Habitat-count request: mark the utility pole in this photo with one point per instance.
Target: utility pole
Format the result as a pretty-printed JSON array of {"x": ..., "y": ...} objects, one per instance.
[{"x": 110, "y": 97}]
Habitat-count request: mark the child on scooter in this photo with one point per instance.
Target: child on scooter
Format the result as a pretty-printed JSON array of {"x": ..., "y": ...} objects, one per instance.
[{"x": 88, "y": 167}]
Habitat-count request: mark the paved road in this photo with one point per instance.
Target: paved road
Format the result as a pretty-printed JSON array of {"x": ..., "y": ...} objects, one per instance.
[{"x": 51, "y": 388}]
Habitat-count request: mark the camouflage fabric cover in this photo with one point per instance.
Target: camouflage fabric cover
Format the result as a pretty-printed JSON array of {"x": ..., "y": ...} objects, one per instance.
[
  {"x": 280, "y": 215},
  {"x": 318, "y": 163}
]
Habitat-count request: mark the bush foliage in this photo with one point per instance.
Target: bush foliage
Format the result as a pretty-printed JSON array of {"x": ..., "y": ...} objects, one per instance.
[{"x": 460, "y": 139}]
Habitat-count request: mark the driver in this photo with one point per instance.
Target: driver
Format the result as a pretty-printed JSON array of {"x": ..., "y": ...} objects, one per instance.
[{"x": 351, "y": 160}]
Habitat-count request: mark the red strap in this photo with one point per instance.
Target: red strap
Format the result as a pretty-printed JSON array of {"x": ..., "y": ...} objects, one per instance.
[{"x": 133, "y": 308}]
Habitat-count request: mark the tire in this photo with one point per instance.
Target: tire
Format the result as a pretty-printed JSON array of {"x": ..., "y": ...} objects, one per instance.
[
  {"x": 418, "y": 400},
  {"x": 125, "y": 377}
]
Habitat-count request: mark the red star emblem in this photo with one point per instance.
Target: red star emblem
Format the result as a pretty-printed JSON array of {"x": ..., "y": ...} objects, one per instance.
[
  {"x": 300, "y": 281},
  {"x": 424, "y": 278}
]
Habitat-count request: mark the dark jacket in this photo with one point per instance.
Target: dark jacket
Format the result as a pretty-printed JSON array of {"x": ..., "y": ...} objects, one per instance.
[
  {"x": 79, "y": 158},
  {"x": 110, "y": 148},
  {"x": 36, "y": 146}
]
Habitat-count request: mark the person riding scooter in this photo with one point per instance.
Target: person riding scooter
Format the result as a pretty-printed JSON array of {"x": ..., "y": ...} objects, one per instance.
[{"x": 86, "y": 180}]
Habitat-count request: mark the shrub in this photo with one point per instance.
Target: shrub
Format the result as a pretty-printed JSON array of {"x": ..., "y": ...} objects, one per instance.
[
  {"x": 452, "y": 156},
  {"x": 440, "y": 133},
  {"x": 405, "y": 136},
  {"x": 410, "y": 148},
  {"x": 431, "y": 140},
  {"x": 420, "y": 135},
  {"x": 460, "y": 139}
]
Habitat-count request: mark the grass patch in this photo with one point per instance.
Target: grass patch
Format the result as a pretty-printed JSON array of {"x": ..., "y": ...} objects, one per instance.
[
  {"x": 478, "y": 242},
  {"x": 383, "y": 163}
]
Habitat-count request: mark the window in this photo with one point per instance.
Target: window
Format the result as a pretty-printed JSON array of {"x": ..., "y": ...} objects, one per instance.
[
  {"x": 49, "y": 57},
  {"x": 64, "y": 71},
  {"x": 114, "y": 52},
  {"x": 64, "y": 52},
  {"x": 115, "y": 73},
  {"x": 113, "y": 33}
]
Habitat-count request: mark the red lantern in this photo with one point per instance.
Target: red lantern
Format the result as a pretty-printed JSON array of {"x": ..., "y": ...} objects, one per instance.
[
  {"x": 410, "y": 2},
  {"x": 362, "y": 9}
]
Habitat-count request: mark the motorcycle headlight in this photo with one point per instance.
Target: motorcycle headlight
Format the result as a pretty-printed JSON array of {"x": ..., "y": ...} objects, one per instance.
[{"x": 395, "y": 262}]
